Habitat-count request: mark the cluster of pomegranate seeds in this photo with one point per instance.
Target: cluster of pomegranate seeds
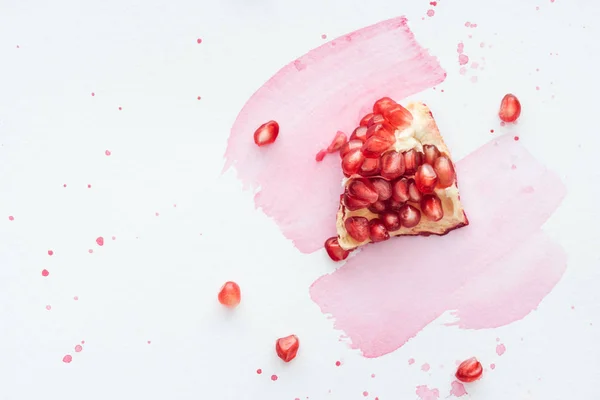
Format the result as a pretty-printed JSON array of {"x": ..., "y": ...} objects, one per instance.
[
  {"x": 287, "y": 347},
  {"x": 469, "y": 370},
  {"x": 230, "y": 294},
  {"x": 510, "y": 108},
  {"x": 266, "y": 133}
]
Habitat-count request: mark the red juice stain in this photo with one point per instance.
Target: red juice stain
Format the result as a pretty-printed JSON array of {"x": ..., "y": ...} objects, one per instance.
[
  {"x": 274, "y": 378},
  {"x": 67, "y": 359},
  {"x": 18, "y": 47},
  {"x": 198, "y": 40},
  {"x": 516, "y": 138},
  {"x": 100, "y": 241},
  {"x": 114, "y": 238},
  {"x": 45, "y": 272},
  {"x": 107, "y": 152},
  {"x": 365, "y": 393},
  {"x": 11, "y": 218},
  {"x": 425, "y": 367},
  {"x": 78, "y": 348},
  {"x": 430, "y": 13},
  {"x": 460, "y": 48},
  {"x": 491, "y": 131},
  {"x": 433, "y": 3},
  {"x": 48, "y": 307},
  {"x": 338, "y": 363},
  {"x": 259, "y": 371},
  {"x": 537, "y": 88},
  {"x": 502, "y": 123},
  {"x": 174, "y": 205}
]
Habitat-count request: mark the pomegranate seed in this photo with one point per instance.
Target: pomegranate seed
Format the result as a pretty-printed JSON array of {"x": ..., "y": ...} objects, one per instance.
[
  {"x": 230, "y": 294},
  {"x": 426, "y": 178},
  {"x": 391, "y": 220},
  {"x": 359, "y": 133},
  {"x": 352, "y": 161},
  {"x": 394, "y": 205},
  {"x": 376, "y": 119},
  {"x": 383, "y": 187},
  {"x": 363, "y": 189},
  {"x": 350, "y": 145},
  {"x": 398, "y": 116},
  {"x": 445, "y": 171},
  {"x": 377, "y": 231},
  {"x": 321, "y": 155},
  {"x": 365, "y": 119},
  {"x": 412, "y": 160},
  {"x": 369, "y": 167},
  {"x": 377, "y": 144},
  {"x": 431, "y": 206},
  {"x": 383, "y": 104},
  {"x": 266, "y": 133},
  {"x": 338, "y": 141},
  {"x": 287, "y": 347},
  {"x": 400, "y": 191},
  {"x": 335, "y": 252},
  {"x": 409, "y": 216},
  {"x": 413, "y": 192},
  {"x": 510, "y": 108},
  {"x": 354, "y": 204},
  {"x": 392, "y": 165},
  {"x": 469, "y": 370},
  {"x": 371, "y": 130},
  {"x": 431, "y": 154},
  {"x": 378, "y": 207},
  {"x": 357, "y": 228}
]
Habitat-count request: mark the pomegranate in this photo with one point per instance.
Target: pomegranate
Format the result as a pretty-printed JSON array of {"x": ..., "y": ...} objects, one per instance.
[
  {"x": 365, "y": 120},
  {"x": 431, "y": 153},
  {"x": 510, "y": 108},
  {"x": 383, "y": 104},
  {"x": 230, "y": 294},
  {"x": 287, "y": 347},
  {"x": 426, "y": 178},
  {"x": 378, "y": 207},
  {"x": 392, "y": 165},
  {"x": 350, "y": 145},
  {"x": 445, "y": 171},
  {"x": 431, "y": 206},
  {"x": 353, "y": 203},
  {"x": 393, "y": 205},
  {"x": 338, "y": 141},
  {"x": 400, "y": 190},
  {"x": 377, "y": 230},
  {"x": 357, "y": 228},
  {"x": 409, "y": 216},
  {"x": 352, "y": 161},
  {"x": 359, "y": 133},
  {"x": 369, "y": 167},
  {"x": 363, "y": 189},
  {"x": 413, "y": 193},
  {"x": 391, "y": 220},
  {"x": 321, "y": 155},
  {"x": 398, "y": 116},
  {"x": 383, "y": 187},
  {"x": 412, "y": 160},
  {"x": 375, "y": 120},
  {"x": 469, "y": 370},
  {"x": 335, "y": 252},
  {"x": 266, "y": 133},
  {"x": 377, "y": 144}
]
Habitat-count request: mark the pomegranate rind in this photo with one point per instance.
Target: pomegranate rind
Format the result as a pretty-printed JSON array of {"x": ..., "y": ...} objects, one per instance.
[{"x": 422, "y": 131}]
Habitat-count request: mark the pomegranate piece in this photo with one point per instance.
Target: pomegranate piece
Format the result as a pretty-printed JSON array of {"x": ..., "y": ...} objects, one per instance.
[
  {"x": 398, "y": 116},
  {"x": 287, "y": 347},
  {"x": 469, "y": 370},
  {"x": 266, "y": 133},
  {"x": 350, "y": 145},
  {"x": 431, "y": 206},
  {"x": 357, "y": 228},
  {"x": 391, "y": 220},
  {"x": 321, "y": 155},
  {"x": 378, "y": 231},
  {"x": 412, "y": 160},
  {"x": 445, "y": 171},
  {"x": 377, "y": 144},
  {"x": 413, "y": 192},
  {"x": 376, "y": 119},
  {"x": 426, "y": 178},
  {"x": 338, "y": 141},
  {"x": 359, "y": 133},
  {"x": 383, "y": 104},
  {"x": 510, "y": 108},
  {"x": 400, "y": 191},
  {"x": 230, "y": 294},
  {"x": 378, "y": 207},
  {"x": 392, "y": 165},
  {"x": 383, "y": 187},
  {"x": 352, "y": 161},
  {"x": 353, "y": 203},
  {"x": 393, "y": 205},
  {"x": 335, "y": 252},
  {"x": 363, "y": 189},
  {"x": 409, "y": 216},
  {"x": 431, "y": 153},
  {"x": 369, "y": 167},
  {"x": 365, "y": 120}
]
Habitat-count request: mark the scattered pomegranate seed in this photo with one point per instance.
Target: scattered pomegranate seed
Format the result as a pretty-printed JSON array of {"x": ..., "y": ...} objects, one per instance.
[
  {"x": 392, "y": 165},
  {"x": 321, "y": 155},
  {"x": 352, "y": 161},
  {"x": 409, "y": 216},
  {"x": 510, "y": 108},
  {"x": 338, "y": 141},
  {"x": 445, "y": 171},
  {"x": 350, "y": 145},
  {"x": 378, "y": 231},
  {"x": 431, "y": 153},
  {"x": 363, "y": 189},
  {"x": 357, "y": 228},
  {"x": 400, "y": 190},
  {"x": 266, "y": 133},
  {"x": 469, "y": 370},
  {"x": 431, "y": 206},
  {"x": 365, "y": 119},
  {"x": 426, "y": 179},
  {"x": 287, "y": 347},
  {"x": 335, "y": 252},
  {"x": 230, "y": 294}
]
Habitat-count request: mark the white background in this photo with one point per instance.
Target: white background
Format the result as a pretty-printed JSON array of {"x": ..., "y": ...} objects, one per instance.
[{"x": 158, "y": 280}]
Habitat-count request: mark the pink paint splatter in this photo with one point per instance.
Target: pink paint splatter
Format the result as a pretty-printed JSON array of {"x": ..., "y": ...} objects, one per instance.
[
  {"x": 76, "y": 298},
  {"x": 463, "y": 59},
  {"x": 411, "y": 361},
  {"x": 516, "y": 138},
  {"x": 149, "y": 342},
  {"x": 156, "y": 214},
  {"x": 323, "y": 36},
  {"x": 11, "y": 218},
  {"x": 114, "y": 238},
  {"x": 462, "y": 71},
  {"x": 430, "y": 13},
  {"x": 89, "y": 186},
  {"x": 120, "y": 108},
  {"x": 338, "y": 363},
  {"x": 425, "y": 393},
  {"x": 259, "y": 371},
  {"x": 107, "y": 152},
  {"x": 365, "y": 393},
  {"x": 100, "y": 241},
  {"x": 64, "y": 185},
  {"x": 492, "y": 366},
  {"x": 78, "y": 348},
  {"x": 67, "y": 359},
  {"x": 482, "y": 45},
  {"x": 48, "y": 307},
  {"x": 473, "y": 79},
  {"x": 198, "y": 40},
  {"x": 274, "y": 378},
  {"x": 93, "y": 94},
  {"x": 45, "y": 272},
  {"x": 500, "y": 349},
  {"x": 425, "y": 367},
  {"x": 460, "y": 48},
  {"x": 458, "y": 389},
  {"x": 537, "y": 88},
  {"x": 474, "y": 65},
  {"x": 468, "y": 24},
  {"x": 90, "y": 251}
]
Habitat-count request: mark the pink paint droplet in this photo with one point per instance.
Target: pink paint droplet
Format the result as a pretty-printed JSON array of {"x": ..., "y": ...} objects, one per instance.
[
  {"x": 89, "y": 186},
  {"x": 93, "y": 94},
  {"x": 462, "y": 71},
  {"x": 107, "y": 152},
  {"x": 513, "y": 166},
  {"x": 433, "y": 3},
  {"x": 78, "y": 348},
  {"x": 493, "y": 366},
  {"x": 323, "y": 36},
  {"x": 430, "y": 13},
  {"x": 11, "y": 218},
  {"x": 572, "y": 307},
  {"x": 491, "y": 131},
  {"x": 120, "y": 108},
  {"x": 157, "y": 214},
  {"x": 90, "y": 251},
  {"x": 473, "y": 25},
  {"x": 100, "y": 241},
  {"x": 474, "y": 79},
  {"x": 425, "y": 393},
  {"x": 114, "y": 238},
  {"x": 411, "y": 361},
  {"x": 502, "y": 123},
  {"x": 149, "y": 342},
  {"x": 45, "y": 272},
  {"x": 468, "y": 24},
  {"x": 198, "y": 40},
  {"x": 551, "y": 1},
  {"x": 425, "y": 367},
  {"x": 460, "y": 48},
  {"x": 199, "y": 98},
  {"x": 458, "y": 389},
  {"x": 259, "y": 371},
  {"x": 48, "y": 307},
  {"x": 537, "y": 88},
  {"x": 64, "y": 185},
  {"x": 67, "y": 359},
  {"x": 76, "y": 298},
  {"x": 338, "y": 363},
  {"x": 274, "y": 378},
  {"x": 83, "y": 342},
  {"x": 463, "y": 59},
  {"x": 365, "y": 393},
  {"x": 516, "y": 138},
  {"x": 500, "y": 349},
  {"x": 482, "y": 45},
  {"x": 372, "y": 375}
]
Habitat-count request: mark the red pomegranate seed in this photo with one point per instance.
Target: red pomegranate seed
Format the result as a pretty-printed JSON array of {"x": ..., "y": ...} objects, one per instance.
[
  {"x": 357, "y": 228},
  {"x": 383, "y": 104},
  {"x": 266, "y": 133},
  {"x": 338, "y": 141},
  {"x": 510, "y": 108},
  {"x": 321, "y": 155},
  {"x": 287, "y": 347},
  {"x": 469, "y": 370},
  {"x": 377, "y": 145},
  {"x": 335, "y": 252},
  {"x": 378, "y": 207},
  {"x": 431, "y": 206},
  {"x": 398, "y": 116},
  {"x": 391, "y": 220},
  {"x": 351, "y": 145},
  {"x": 400, "y": 191},
  {"x": 445, "y": 171},
  {"x": 383, "y": 187},
  {"x": 393, "y": 205},
  {"x": 426, "y": 178},
  {"x": 230, "y": 294},
  {"x": 409, "y": 216},
  {"x": 365, "y": 119},
  {"x": 371, "y": 130},
  {"x": 363, "y": 189},
  {"x": 413, "y": 192},
  {"x": 412, "y": 160},
  {"x": 377, "y": 231},
  {"x": 375, "y": 120},
  {"x": 354, "y": 204},
  {"x": 352, "y": 161},
  {"x": 369, "y": 167},
  {"x": 392, "y": 165},
  {"x": 431, "y": 153},
  {"x": 359, "y": 133}
]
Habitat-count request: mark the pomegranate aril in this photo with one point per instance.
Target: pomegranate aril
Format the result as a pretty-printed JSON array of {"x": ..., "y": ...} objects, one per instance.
[
  {"x": 383, "y": 187},
  {"x": 426, "y": 179},
  {"x": 445, "y": 171},
  {"x": 377, "y": 145},
  {"x": 431, "y": 153},
  {"x": 335, "y": 252},
  {"x": 469, "y": 370},
  {"x": 378, "y": 231},
  {"x": 365, "y": 120},
  {"x": 400, "y": 191},
  {"x": 398, "y": 116},
  {"x": 510, "y": 108},
  {"x": 354, "y": 204},
  {"x": 383, "y": 104},
  {"x": 378, "y": 207},
  {"x": 350, "y": 145},
  {"x": 230, "y": 294},
  {"x": 369, "y": 167},
  {"x": 363, "y": 189},
  {"x": 287, "y": 347},
  {"x": 359, "y": 133},
  {"x": 412, "y": 160},
  {"x": 266, "y": 133},
  {"x": 357, "y": 228},
  {"x": 394, "y": 205},
  {"x": 413, "y": 193},
  {"x": 321, "y": 155},
  {"x": 337, "y": 142},
  {"x": 376, "y": 119},
  {"x": 409, "y": 216},
  {"x": 392, "y": 165},
  {"x": 391, "y": 220},
  {"x": 352, "y": 162},
  {"x": 431, "y": 206}
]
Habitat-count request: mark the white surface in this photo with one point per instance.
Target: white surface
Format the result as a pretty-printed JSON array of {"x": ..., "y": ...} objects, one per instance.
[{"x": 158, "y": 280}]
